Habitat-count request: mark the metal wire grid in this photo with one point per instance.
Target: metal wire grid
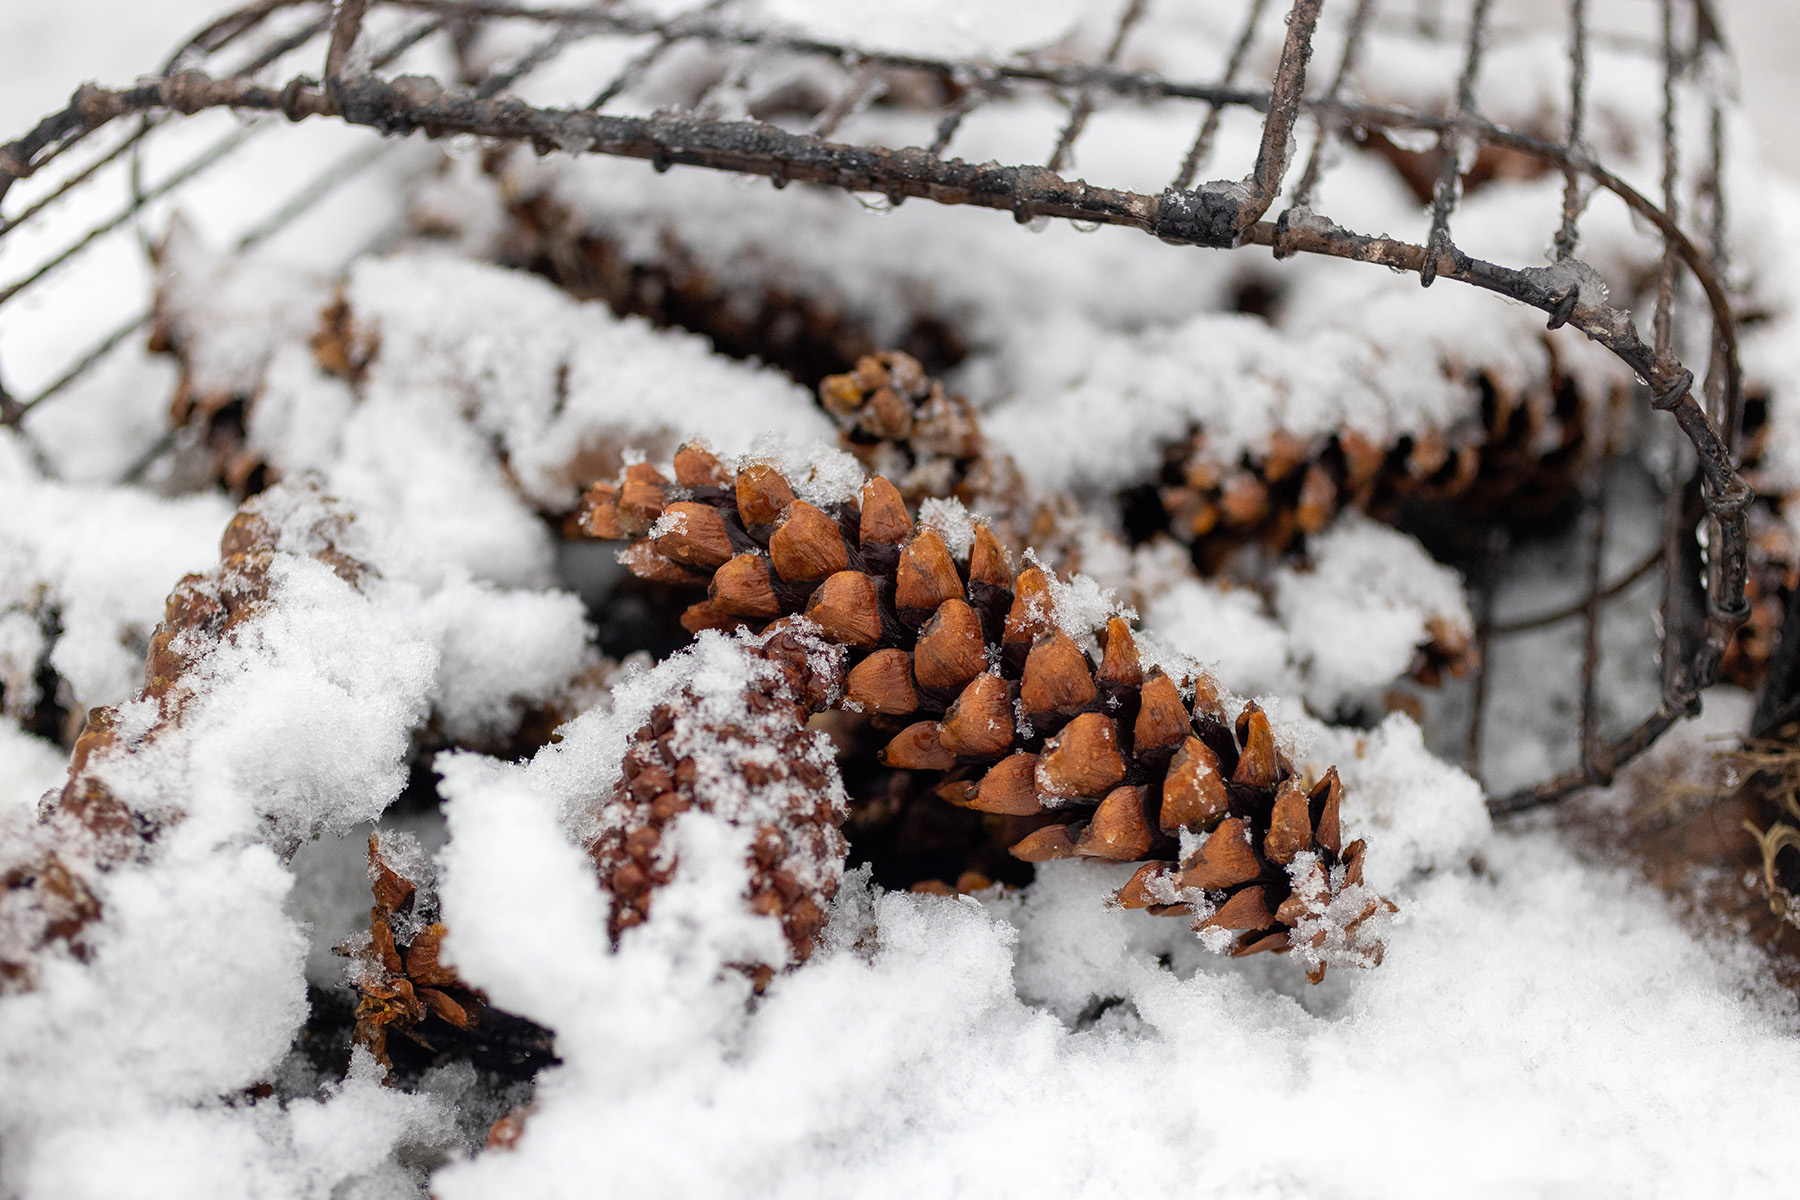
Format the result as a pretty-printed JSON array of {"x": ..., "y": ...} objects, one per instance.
[{"x": 1703, "y": 601}]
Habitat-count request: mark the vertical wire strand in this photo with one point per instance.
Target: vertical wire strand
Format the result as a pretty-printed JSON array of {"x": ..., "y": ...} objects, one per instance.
[
  {"x": 864, "y": 89},
  {"x": 1443, "y": 200},
  {"x": 1662, "y": 322},
  {"x": 1569, "y": 234},
  {"x": 1330, "y": 126},
  {"x": 978, "y": 89},
  {"x": 1209, "y": 127},
  {"x": 1708, "y": 55},
  {"x": 1083, "y": 108},
  {"x": 1593, "y": 761},
  {"x": 634, "y": 68},
  {"x": 1493, "y": 555}
]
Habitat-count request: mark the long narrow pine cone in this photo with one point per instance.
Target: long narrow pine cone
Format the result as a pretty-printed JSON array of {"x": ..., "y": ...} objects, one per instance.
[
  {"x": 749, "y": 759},
  {"x": 965, "y": 659}
]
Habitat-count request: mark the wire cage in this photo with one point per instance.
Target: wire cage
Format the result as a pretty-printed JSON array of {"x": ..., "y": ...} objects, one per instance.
[{"x": 701, "y": 87}]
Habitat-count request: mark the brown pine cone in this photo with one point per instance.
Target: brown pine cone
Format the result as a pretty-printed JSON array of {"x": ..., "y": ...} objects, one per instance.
[
  {"x": 86, "y": 828},
  {"x": 1527, "y": 457},
  {"x": 1774, "y": 577},
  {"x": 1261, "y": 863},
  {"x": 902, "y": 423},
  {"x": 966, "y": 659},
  {"x": 750, "y": 759}
]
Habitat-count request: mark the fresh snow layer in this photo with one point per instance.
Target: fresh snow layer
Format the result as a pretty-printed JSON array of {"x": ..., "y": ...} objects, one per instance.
[
  {"x": 1031, "y": 1044},
  {"x": 1041, "y": 1042},
  {"x": 301, "y": 724},
  {"x": 91, "y": 565},
  {"x": 1542, "y": 1025}
]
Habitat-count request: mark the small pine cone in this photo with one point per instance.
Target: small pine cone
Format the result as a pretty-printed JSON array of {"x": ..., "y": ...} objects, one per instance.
[
  {"x": 904, "y": 425},
  {"x": 85, "y": 828},
  {"x": 964, "y": 657},
  {"x": 403, "y": 987},
  {"x": 749, "y": 758},
  {"x": 888, "y": 399}
]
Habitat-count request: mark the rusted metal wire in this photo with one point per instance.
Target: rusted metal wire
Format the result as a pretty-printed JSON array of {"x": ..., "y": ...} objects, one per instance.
[
  {"x": 1450, "y": 146},
  {"x": 1330, "y": 128},
  {"x": 1596, "y": 761},
  {"x": 1083, "y": 107},
  {"x": 1567, "y": 234},
  {"x": 350, "y": 88},
  {"x": 1209, "y": 128}
]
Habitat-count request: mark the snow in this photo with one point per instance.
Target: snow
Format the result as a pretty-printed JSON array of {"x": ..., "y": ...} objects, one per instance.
[
  {"x": 1362, "y": 576},
  {"x": 1543, "y": 1022},
  {"x": 1383, "y": 584},
  {"x": 29, "y": 767},
  {"x": 98, "y": 562},
  {"x": 907, "y": 1063}
]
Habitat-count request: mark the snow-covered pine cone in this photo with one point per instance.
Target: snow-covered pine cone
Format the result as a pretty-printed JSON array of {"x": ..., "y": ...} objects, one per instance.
[
  {"x": 1527, "y": 456},
  {"x": 805, "y": 335},
  {"x": 85, "y": 828},
  {"x": 901, "y": 422},
  {"x": 404, "y": 988},
  {"x": 966, "y": 658},
  {"x": 747, "y": 757}
]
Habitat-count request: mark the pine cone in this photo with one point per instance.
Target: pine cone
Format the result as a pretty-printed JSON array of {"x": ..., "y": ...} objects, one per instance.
[
  {"x": 1527, "y": 458},
  {"x": 86, "y": 828},
  {"x": 806, "y": 336},
  {"x": 1261, "y": 866},
  {"x": 751, "y": 760},
  {"x": 997, "y": 700},
  {"x": 404, "y": 988},
  {"x": 902, "y": 423},
  {"x": 1769, "y": 589}
]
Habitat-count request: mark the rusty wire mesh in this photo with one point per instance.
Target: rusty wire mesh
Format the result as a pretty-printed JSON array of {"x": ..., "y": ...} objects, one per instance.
[{"x": 304, "y": 60}]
